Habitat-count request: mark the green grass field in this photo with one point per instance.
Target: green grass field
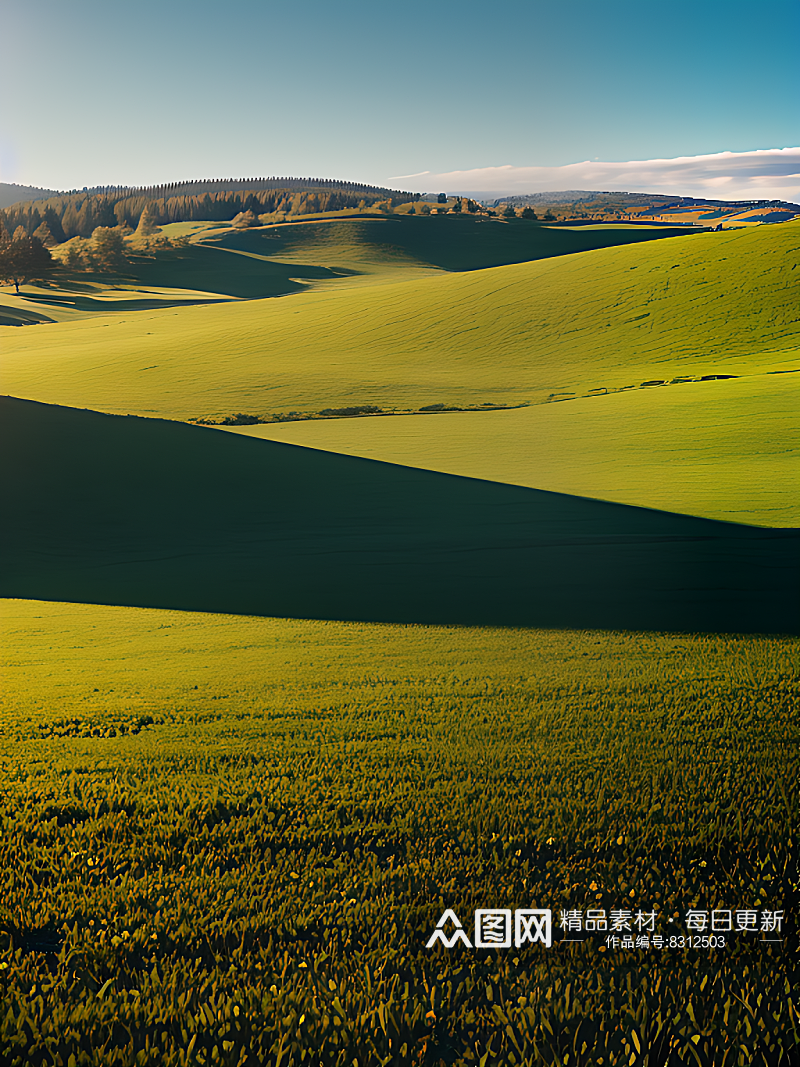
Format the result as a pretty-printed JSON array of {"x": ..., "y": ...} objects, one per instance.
[
  {"x": 381, "y": 246},
  {"x": 279, "y": 260},
  {"x": 720, "y": 449},
  {"x": 227, "y": 840},
  {"x": 608, "y": 319},
  {"x": 509, "y": 658},
  {"x": 709, "y": 303}
]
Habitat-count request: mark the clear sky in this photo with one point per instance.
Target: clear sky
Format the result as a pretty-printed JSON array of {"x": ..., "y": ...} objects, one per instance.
[{"x": 98, "y": 92}]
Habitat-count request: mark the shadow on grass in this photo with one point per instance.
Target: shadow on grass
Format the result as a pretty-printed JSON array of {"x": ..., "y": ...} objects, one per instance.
[
  {"x": 450, "y": 242},
  {"x": 217, "y": 270},
  {"x": 79, "y": 302},
  {"x": 143, "y": 512},
  {"x": 16, "y": 316}
]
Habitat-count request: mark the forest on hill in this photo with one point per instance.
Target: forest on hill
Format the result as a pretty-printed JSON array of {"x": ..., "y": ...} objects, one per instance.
[{"x": 79, "y": 214}]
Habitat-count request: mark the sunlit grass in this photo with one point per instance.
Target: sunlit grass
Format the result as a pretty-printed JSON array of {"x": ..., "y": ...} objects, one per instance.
[
  {"x": 253, "y": 866},
  {"x": 713, "y": 303},
  {"x": 720, "y": 449}
]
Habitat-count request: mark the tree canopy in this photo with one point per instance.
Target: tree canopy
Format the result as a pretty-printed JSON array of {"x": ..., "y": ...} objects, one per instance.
[
  {"x": 109, "y": 248},
  {"x": 23, "y": 259}
]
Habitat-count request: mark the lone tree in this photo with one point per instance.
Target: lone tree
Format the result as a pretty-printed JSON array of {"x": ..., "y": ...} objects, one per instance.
[
  {"x": 109, "y": 248},
  {"x": 528, "y": 213},
  {"x": 23, "y": 259},
  {"x": 509, "y": 212},
  {"x": 441, "y": 198}
]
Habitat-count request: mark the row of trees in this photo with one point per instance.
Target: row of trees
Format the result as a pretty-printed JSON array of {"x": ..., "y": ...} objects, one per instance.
[
  {"x": 26, "y": 257},
  {"x": 220, "y": 185},
  {"x": 79, "y": 215},
  {"x": 509, "y": 212}
]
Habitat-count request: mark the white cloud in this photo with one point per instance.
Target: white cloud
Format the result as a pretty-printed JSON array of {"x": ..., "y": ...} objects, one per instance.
[{"x": 770, "y": 174}]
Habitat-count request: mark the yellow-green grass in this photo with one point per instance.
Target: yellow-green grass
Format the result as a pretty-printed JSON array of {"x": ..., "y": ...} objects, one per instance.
[
  {"x": 725, "y": 449},
  {"x": 389, "y": 244},
  {"x": 236, "y": 836},
  {"x": 292, "y": 257},
  {"x": 191, "y": 229},
  {"x": 81, "y": 298},
  {"x": 146, "y": 512},
  {"x": 99, "y": 662},
  {"x": 709, "y": 303}
]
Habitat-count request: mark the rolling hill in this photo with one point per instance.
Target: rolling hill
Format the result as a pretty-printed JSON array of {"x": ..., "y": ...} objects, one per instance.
[
  {"x": 279, "y": 260},
  {"x": 649, "y": 375},
  {"x": 464, "y": 243},
  {"x": 14, "y": 194},
  {"x": 438, "y": 659},
  {"x": 611, "y": 318},
  {"x": 722, "y": 449},
  {"x": 143, "y": 512},
  {"x": 577, "y": 204}
]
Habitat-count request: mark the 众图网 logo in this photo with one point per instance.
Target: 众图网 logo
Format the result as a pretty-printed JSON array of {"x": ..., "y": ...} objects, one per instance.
[
  {"x": 620, "y": 928},
  {"x": 495, "y": 928}
]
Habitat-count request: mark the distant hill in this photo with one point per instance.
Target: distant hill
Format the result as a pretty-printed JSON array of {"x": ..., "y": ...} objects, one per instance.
[
  {"x": 13, "y": 194},
  {"x": 577, "y": 204}
]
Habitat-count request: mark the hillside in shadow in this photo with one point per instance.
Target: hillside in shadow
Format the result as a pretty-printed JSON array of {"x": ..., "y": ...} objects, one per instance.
[
  {"x": 453, "y": 243},
  {"x": 142, "y": 512},
  {"x": 217, "y": 270}
]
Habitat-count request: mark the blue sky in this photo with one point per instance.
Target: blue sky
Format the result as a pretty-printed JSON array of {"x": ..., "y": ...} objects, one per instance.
[{"x": 97, "y": 92}]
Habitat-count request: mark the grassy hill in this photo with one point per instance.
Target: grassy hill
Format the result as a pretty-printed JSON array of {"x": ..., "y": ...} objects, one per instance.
[
  {"x": 723, "y": 449},
  {"x": 449, "y": 242},
  {"x": 118, "y": 510},
  {"x": 232, "y": 835},
  {"x": 291, "y": 257},
  {"x": 711, "y": 303}
]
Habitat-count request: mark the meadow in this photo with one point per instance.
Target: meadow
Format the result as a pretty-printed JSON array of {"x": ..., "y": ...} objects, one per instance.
[
  {"x": 577, "y": 340},
  {"x": 720, "y": 449},
  {"x": 153, "y": 513},
  {"x": 709, "y": 303},
  {"x": 228, "y": 840},
  {"x": 522, "y": 635}
]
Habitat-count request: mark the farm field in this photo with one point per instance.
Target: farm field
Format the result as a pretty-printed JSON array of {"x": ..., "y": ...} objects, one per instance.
[{"x": 228, "y": 840}]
